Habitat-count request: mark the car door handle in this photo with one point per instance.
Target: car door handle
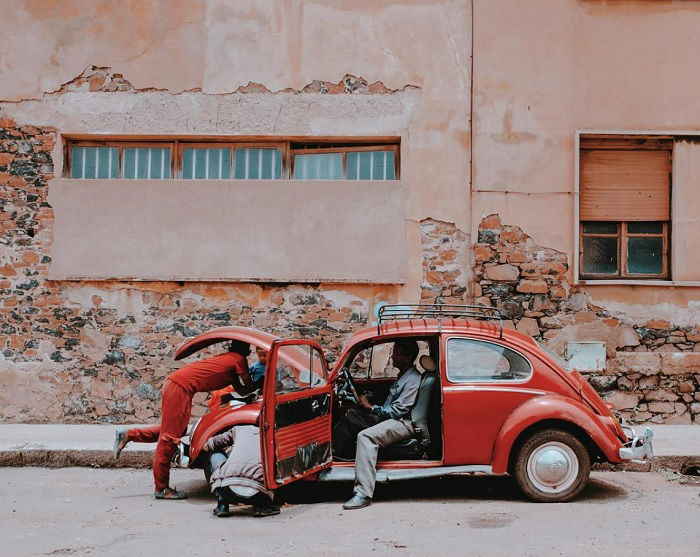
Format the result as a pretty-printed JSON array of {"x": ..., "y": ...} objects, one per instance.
[{"x": 314, "y": 405}]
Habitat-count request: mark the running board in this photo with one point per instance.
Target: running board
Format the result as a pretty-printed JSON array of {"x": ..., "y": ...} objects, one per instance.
[{"x": 347, "y": 473}]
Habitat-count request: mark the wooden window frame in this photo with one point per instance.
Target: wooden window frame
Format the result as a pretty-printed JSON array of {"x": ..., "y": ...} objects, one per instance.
[
  {"x": 120, "y": 146},
  {"x": 619, "y": 140},
  {"x": 345, "y": 150},
  {"x": 622, "y": 236},
  {"x": 288, "y": 145},
  {"x": 232, "y": 146}
]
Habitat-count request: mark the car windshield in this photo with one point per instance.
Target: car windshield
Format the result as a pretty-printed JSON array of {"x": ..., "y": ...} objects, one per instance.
[{"x": 564, "y": 364}]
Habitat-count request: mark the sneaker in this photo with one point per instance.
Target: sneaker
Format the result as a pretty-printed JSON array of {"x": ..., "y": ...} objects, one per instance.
[
  {"x": 170, "y": 493},
  {"x": 120, "y": 441}
]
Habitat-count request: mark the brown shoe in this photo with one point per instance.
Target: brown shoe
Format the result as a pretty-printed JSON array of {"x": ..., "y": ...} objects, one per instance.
[{"x": 170, "y": 493}]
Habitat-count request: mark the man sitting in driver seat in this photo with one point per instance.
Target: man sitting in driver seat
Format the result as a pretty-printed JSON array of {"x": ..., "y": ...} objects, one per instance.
[{"x": 377, "y": 426}]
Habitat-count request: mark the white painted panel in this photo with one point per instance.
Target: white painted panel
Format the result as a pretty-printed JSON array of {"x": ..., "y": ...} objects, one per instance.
[
  {"x": 586, "y": 355},
  {"x": 685, "y": 211}
]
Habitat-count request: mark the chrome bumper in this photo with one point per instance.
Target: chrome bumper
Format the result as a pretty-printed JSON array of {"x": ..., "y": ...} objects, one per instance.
[{"x": 638, "y": 449}]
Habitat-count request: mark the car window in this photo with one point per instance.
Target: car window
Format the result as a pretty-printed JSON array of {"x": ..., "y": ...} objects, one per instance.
[
  {"x": 474, "y": 360},
  {"x": 375, "y": 362},
  {"x": 298, "y": 367}
]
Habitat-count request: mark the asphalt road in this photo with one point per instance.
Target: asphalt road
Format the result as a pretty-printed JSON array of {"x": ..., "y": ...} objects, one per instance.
[{"x": 83, "y": 511}]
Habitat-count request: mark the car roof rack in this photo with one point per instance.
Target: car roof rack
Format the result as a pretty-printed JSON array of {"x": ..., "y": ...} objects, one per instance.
[{"x": 406, "y": 312}]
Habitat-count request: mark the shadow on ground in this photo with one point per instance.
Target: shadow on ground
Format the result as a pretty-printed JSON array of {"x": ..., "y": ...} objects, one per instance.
[{"x": 456, "y": 488}]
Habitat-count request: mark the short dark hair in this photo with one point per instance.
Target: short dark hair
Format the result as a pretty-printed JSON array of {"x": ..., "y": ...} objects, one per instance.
[
  {"x": 240, "y": 347},
  {"x": 408, "y": 347}
]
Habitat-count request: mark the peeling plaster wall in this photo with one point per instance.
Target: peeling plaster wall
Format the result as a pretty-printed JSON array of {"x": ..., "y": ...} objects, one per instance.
[
  {"x": 99, "y": 350},
  {"x": 652, "y": 366},
  {"x": 543, "y": 70},
  {"x": 217, "y": 46}
]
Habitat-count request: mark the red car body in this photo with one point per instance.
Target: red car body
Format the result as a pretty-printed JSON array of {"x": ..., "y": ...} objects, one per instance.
[{"x": 536, "y": 427}]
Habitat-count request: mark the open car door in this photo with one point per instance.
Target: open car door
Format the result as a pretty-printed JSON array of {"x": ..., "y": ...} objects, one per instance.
[{"x": 296, "y": 412}]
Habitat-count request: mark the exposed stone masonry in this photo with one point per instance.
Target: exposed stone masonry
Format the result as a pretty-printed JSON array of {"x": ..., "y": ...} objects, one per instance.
[
  {"x": 99, "y": 351},
  {"x": 653, "y": 368},
  {"x": 445, "y": 263}
]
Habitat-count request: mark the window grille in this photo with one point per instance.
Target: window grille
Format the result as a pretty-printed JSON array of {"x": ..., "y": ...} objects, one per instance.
[
  {"x": 95, "y": 162},
  {"x": 234, "y": 158},
  {"x": 370, "y": 165},
  {"x": 146, "y": 163},
  {"x": 252, "y": 163},
  {"x": 321, "y": 166},
  {"x": 206, "y": 163}
]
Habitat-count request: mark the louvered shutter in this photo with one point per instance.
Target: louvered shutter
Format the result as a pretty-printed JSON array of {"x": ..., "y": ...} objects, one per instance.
[{"x": 625, "y": 185}]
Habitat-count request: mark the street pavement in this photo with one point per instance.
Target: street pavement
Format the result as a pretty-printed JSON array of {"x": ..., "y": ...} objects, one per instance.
[{"x": 111, "y": 512}]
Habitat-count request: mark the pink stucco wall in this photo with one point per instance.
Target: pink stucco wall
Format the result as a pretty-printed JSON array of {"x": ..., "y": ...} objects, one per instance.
[
  {"x": 486, "y": 97},
  {"x": 545, "y": 69},
  {"x": 255, "y": 231}
]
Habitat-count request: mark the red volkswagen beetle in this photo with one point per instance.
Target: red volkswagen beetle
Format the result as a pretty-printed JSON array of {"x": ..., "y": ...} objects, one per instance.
[{"x": 491, "y": 401}]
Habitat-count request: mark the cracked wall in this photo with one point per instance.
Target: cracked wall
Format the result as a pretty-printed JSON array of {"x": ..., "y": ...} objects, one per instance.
[
  {"x": 445, "y": 263},
  {"x": 81, "y": 351},
  {"x": 653, "y": 365}
]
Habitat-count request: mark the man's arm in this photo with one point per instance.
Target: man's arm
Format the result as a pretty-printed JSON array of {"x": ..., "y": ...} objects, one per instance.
[
  {"x": 242, "y": 381},
  {"x": 222, "y": 440},
  {"x": 401, "y": 405},
  {"x": 243, "y": 384}
]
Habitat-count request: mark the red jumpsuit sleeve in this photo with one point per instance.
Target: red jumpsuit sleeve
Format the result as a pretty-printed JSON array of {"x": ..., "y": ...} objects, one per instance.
[{"x": 241, "y": 366}]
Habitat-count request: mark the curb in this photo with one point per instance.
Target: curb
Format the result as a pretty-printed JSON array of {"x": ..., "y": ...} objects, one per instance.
[
  {"x": 143, "y": 459},
  {"x": 71, "y": 458}
]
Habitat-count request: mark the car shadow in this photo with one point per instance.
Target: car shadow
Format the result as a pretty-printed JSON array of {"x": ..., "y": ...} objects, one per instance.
[{"x": 449, "y": 488}]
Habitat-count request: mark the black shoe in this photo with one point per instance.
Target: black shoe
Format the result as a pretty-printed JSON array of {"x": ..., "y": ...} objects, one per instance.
[
  {"x": 268, "y": 510},
  {"x": 222, "y": 510},
  {"x": 358, "y": 501}
]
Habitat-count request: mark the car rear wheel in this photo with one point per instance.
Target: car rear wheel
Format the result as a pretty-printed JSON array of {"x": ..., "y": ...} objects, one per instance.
[{"x": 552, "y": 466}]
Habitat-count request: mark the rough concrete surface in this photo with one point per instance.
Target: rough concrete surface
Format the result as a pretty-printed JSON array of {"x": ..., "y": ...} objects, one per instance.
[{"x": 78, "y": 511}]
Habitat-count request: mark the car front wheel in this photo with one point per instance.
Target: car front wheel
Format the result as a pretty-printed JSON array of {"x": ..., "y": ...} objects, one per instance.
[{"x": 552, "y": 466}]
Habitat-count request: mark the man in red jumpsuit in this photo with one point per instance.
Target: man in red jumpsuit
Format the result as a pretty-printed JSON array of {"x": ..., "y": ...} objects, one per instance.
[{"x": 204, "y": 375}]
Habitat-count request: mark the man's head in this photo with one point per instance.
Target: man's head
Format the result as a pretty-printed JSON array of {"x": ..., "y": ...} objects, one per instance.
[
  {"x": 262, "y": 355},
  {"x": 405, "y": 353},
  {"x": 239, "y": 347}
]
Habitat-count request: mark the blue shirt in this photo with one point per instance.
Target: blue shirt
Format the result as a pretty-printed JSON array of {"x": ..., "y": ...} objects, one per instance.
[
  {"x": 257, "y": 371},
  {"x": 402, "y": 396}
]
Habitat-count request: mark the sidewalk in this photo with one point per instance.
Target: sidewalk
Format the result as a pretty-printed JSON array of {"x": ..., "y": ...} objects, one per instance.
[{"x": 58, "y": 445}]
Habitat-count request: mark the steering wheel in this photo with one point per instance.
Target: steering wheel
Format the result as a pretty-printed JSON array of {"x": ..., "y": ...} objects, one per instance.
[{"x": 350, "y": 387}]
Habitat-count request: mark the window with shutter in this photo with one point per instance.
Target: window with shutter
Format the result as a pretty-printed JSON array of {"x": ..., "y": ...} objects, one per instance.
[{"x": 625, "y": 208}]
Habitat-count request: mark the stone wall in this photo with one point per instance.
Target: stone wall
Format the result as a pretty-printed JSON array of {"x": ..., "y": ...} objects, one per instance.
[
  {"x": 99, "y": 351},
  {"x": 653, "y": 368},
  {"x": 445, "y": 250}
]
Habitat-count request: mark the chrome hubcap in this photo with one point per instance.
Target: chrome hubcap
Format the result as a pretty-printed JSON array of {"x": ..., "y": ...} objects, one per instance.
[{"x": 552, "y": 467}]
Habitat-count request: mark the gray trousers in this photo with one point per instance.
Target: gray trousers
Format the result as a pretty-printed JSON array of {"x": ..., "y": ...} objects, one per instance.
[{"x": 369, "y": 441}]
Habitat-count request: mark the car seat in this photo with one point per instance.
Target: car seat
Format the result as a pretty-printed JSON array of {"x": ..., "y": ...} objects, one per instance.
[{"x": 419, "y": 445}]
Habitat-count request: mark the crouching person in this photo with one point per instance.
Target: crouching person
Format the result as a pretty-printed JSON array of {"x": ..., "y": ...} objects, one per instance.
[{"x": 236, "y": 473}]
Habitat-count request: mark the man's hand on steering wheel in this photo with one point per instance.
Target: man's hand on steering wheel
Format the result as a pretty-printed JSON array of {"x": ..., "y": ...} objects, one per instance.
[{"x": 350, "y": 387}]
